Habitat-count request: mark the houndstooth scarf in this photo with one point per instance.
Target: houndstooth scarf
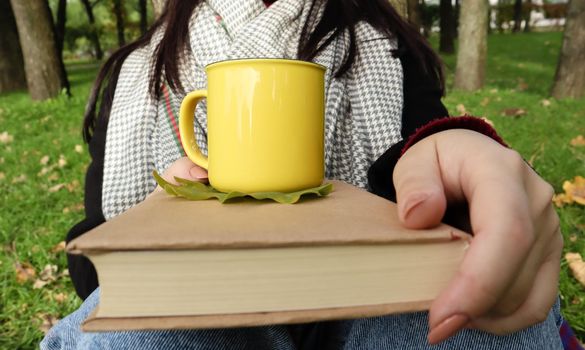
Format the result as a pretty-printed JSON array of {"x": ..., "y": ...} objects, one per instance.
[{"x": 363, "y": 107}]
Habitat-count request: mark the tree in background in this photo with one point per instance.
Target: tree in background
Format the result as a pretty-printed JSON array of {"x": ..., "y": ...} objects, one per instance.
[
  {"x": 413, "y": 8},
  {"x": 570, "y": 75},
  {"x": 517, "y": 16},
  {"x": 143, "y": 16},
  {"x": 118, "y": 9},
  {"x": 447, "y": 26},
  {"x": 429, "y": 14},
  {"x": 158, "y": 7},
  {"x": 60, "y": 26},
  {"x": 45, "y": 71},
  {"x": 472, "y": 52},
  {"x": 11, "y": 63},
  {"x": 93, "y": 35},
  {"x": 527, "y": 15}
]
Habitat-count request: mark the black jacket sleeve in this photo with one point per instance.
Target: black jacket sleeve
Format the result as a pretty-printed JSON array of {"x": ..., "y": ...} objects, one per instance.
[
  {"x": 81, "y": 270},
  {"x": 422, "y": 104}
]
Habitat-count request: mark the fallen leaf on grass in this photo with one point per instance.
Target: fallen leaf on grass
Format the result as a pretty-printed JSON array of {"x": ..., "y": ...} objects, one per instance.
[
  {"x": 39, "y": 283},
  {"x": 2, "y": 176},
  {"x": 24, "y": 272},
  {"x": 74, "y": 208},
  {"x": 72, "y": 186},
  {"x": 20, "y": 178},
  {"x": 5, "y": 137},
  {"x": 545, "y": 103},
  {"x": 493, "y": 91},
  {"x": 46, "y": 276},
  {"x": 578, "y": 141},
  {"x": 461, "y": 109},
  {"x": 78, "y": 148},
  {"x": 56, "y": 188},
  {"x": 62, "y": 161},
  {"x": 60, "y": 297},
  {"x": 44, "y": 160},
  {"x": 485, "y": 101},
  {"x": 53, "y": 177},
  {"x": 46, "y": 169},
  {"x": 47, "y": 322},
  {"x": 48, "y": 273},
  {"x": 59, "y": 247},
  {"x": 513, "y": 112},
  {"x": 574, "y": 192},
  {"x": 577, "y": 266}
]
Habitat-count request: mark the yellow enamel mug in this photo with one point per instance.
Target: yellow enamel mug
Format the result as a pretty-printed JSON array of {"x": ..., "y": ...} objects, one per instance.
[{"x": 265, "y": 125}]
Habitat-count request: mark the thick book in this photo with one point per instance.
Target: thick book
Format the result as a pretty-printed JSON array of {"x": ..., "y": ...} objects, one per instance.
[{"x": 171, "y": 263}]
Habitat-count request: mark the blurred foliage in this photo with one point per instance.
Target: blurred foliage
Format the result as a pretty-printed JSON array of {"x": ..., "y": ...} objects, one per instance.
[
  {"x": 429, "y": 16},
  {"x": 503, "y": 13},
  {"x": 554, "y": 11},
  {"x": 77, "y": 41}
]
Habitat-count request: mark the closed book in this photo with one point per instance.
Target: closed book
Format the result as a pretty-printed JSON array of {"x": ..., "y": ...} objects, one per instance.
[{"x": 171, "y": 263}]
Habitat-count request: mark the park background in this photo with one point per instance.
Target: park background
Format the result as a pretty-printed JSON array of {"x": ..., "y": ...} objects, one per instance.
[{"x": 43, "y": 158}]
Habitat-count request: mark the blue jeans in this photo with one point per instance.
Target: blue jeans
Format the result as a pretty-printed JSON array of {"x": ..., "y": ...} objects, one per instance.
[{"x": 404, "y": 331}]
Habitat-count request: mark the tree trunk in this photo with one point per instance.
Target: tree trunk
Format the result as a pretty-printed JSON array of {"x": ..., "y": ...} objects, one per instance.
[
  {"x": 60, "y": 26},
  {"x": 472, "y": 52},
  {"x": 401, "y": 7},
  {"x": 143, "y": 16},
  {"x": 93, "y": 34},
  {"x": 456, "y": 17},
  {"x": 570, "y": 75},
  {"x": 158, "y": 7},
  {"x": 447, "y": 24},
  {"x": 517, "y": 16},
  {"x": 118, "y": 12},
  {"x": 414, "y": 13},
  {"x": 11, "y": 62},
  {"x": 528, "y": 15},
  {"x": 44, "y": 70}
]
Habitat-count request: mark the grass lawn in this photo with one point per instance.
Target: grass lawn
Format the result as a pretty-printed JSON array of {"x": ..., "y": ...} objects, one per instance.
[{"x": 43, "y": 161}]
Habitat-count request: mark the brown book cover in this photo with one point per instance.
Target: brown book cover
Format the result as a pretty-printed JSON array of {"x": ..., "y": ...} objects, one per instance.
[{"x": 349, "y": 216}]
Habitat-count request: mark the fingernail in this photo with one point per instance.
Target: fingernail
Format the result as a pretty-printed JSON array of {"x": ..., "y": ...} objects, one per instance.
[
  {"x": 198, "y": 173},
  {"x": 412, "y": 202},
  {"x": 447, "y": 328}
]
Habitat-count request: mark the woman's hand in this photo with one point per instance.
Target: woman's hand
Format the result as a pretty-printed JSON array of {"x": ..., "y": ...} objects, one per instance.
[
  {"x": 183, "y": 168},
  {"x": 508, "y": 278}
]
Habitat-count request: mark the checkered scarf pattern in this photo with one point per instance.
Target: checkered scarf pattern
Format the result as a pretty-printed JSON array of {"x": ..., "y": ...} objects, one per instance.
[{"x": 363, "y": 107}]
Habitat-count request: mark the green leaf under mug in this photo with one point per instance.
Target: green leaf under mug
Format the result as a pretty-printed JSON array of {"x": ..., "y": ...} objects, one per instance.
[{"x": 199, "y": 191}]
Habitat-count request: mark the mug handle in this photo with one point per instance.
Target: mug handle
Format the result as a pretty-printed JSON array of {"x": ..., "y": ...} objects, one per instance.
[{"x": 186, "y": 114}]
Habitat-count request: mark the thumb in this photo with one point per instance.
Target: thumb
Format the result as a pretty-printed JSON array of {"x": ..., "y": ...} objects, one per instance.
[
  {"x": 419, "y": 187},
  {"x": 184, "y": 168}
]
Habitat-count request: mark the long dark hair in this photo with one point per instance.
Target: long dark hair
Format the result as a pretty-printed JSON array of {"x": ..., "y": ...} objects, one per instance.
[{"x": 338, "y": 16}]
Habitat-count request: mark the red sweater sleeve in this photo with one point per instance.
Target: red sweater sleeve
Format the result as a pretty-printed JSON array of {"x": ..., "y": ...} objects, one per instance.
[{"x": 447, "y": 123}]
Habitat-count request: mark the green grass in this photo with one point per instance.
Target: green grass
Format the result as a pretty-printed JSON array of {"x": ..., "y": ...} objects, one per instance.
[
  {"x": 520, "y": 72},
  {"x": 519, "y": 75}
]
